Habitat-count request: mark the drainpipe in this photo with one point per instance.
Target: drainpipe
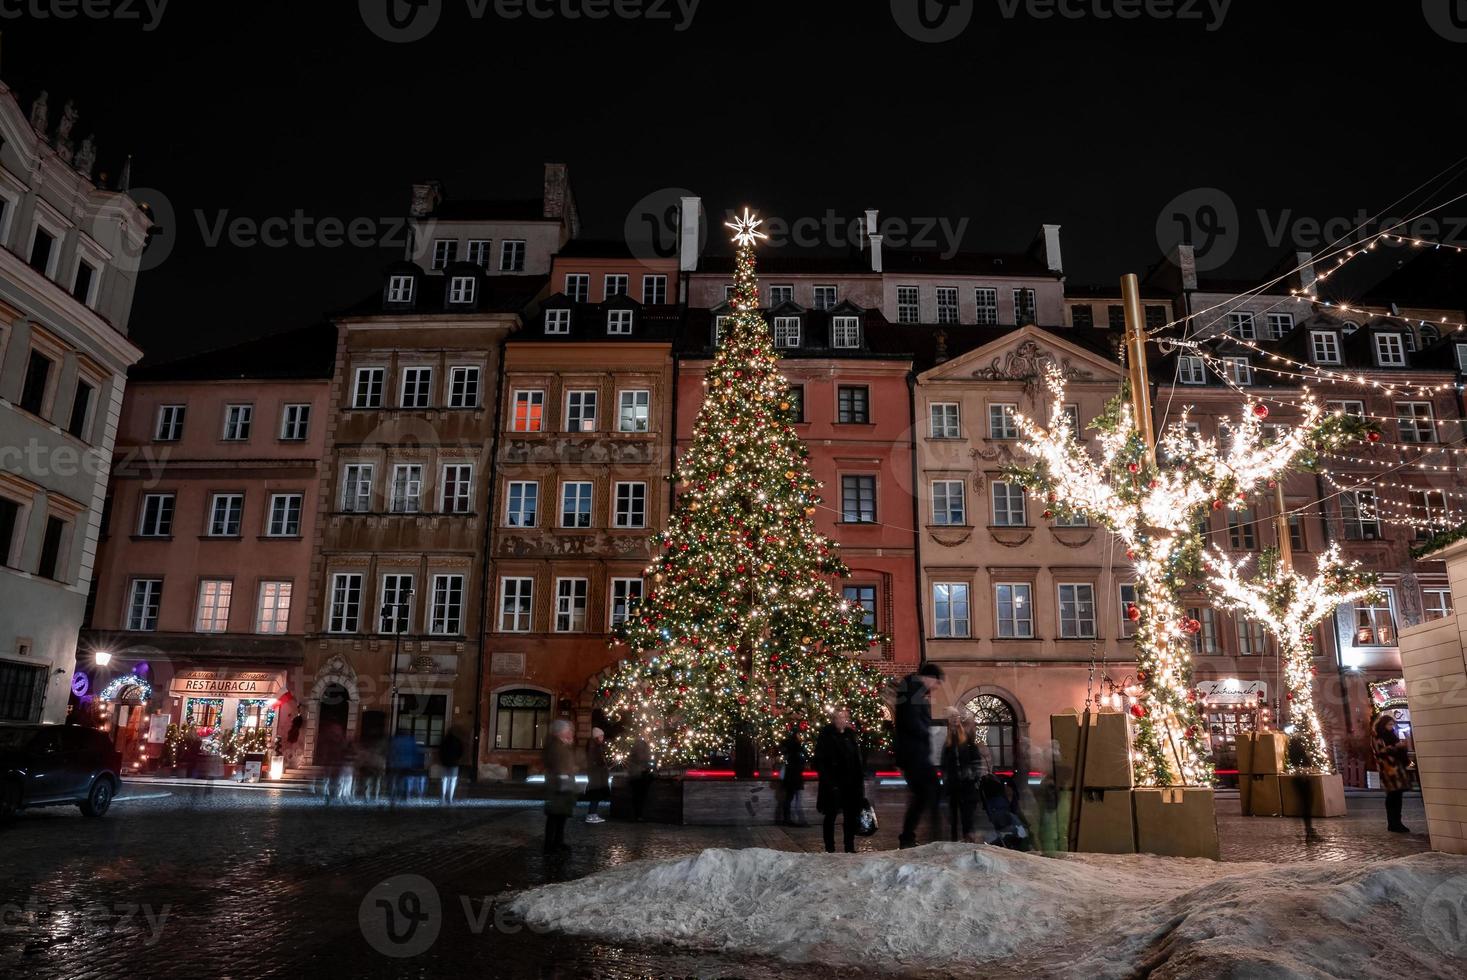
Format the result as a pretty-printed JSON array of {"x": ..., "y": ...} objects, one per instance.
[
  {"x": 485, "y": 580},
  {"x": 916, "y": 519}
]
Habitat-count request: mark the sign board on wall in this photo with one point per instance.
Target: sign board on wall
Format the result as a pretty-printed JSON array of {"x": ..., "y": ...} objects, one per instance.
[
  {"x": 227, "y": 683},
  {"x": 1231, "y": 690}
]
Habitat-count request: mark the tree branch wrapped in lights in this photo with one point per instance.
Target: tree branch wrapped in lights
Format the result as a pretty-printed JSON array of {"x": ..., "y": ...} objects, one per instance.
[
  {"x": 1289, "y": 606},
  {"x": 1156, "y": 503}
]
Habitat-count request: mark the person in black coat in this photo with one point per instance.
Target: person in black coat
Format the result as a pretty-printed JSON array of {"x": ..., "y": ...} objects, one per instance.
[
  {"x": 912, "y": 733},
  {"x": 792, "y": 782},
  {"x": 842, "y": 768},
  {"x": 963, "y": 765}
]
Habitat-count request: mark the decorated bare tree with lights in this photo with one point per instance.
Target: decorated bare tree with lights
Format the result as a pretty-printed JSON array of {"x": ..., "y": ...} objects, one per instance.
[{"x": 741, "y": 632}]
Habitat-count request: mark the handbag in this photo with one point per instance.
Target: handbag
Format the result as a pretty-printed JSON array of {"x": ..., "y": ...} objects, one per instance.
[{"x": 868, "y": 824}]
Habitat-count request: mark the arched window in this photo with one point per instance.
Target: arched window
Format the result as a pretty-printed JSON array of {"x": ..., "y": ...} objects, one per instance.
[
  {"x": 1429, "y": 335},
  {"x": 998, "y": 728},
  {"x": 1349, "y": 326},
  {"x": 521, "y": 718}
]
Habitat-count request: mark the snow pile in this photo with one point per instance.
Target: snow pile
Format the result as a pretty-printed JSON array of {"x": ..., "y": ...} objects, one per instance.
[{"x": 1074, "y": 915}]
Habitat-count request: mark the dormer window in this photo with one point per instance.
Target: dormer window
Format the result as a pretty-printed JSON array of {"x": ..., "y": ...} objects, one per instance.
[
  {"x": 618, "y": 321},
  {"x": 1280, "y": 325},
  {"x": 728, "y": 293},
  {"x": 445, "y": 250},
  {"x": 1429, "y": 335},
  {"x": 557, "y": 321},
  {"x": 461, "y": 289},
  {"x": 845, "y": 331},
  {"x": 1240, "y": 325},
  {"x": 1410, "y": 339},
  {"x": 1325, "y": 346},
  {"x": 786, "y": 331},
  {"x": 1389, "y": 350},
  {"x": 1240, "y": 370},
  {"x": 720, "y": 329},
  {"x": 400, "y": 289}
]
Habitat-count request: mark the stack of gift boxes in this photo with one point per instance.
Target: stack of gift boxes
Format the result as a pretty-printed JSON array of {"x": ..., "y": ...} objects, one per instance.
[{"x": 1266, "y": 790}]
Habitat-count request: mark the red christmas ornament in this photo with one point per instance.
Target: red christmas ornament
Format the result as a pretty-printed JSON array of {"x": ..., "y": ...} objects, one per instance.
[
  {"x": 1373, "y": 436},
  {"x": 1132, "y": 613},
  {"x": 1242, "y": 496},
  {"x": 1048, "y": 514},
  {"x": 1139, "y": 710},
  {"x": 1133, "y": 467},
  {"x": 1260, "y": 410},
  {"x": 1218, "y": 505},
  {"x": 1130, "y": 554}
]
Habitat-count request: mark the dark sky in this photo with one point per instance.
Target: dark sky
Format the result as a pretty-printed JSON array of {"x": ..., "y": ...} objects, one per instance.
[{"x": 260, "y": 110}]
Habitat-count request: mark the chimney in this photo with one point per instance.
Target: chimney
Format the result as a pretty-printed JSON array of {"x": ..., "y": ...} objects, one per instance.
[
  {"x": 558, "y": 201},
  {"x": 690, "y": 233},
  {"x": 1305, "y": 262},
  {"x": 941, "y": 338},
  {"x": 426, "y": 198},
  {"x": 869, "y": 228},
  {"x": 875, "y": 253},
  {"x": 1052, "y": 258}
]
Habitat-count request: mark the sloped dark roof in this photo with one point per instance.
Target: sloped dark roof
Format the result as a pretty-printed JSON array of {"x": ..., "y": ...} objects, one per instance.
[
  {"x": 656, "y": 323},
  {"x": 1430, "y": 278},
  {"x": 493, "y": 294},
  {"x": 794, "y": 261},
  {"x": 525, "y": 209},
  {"x": 300, "y": 353},
  {"x": 932, "y": 261},
  {"x": 1112, "y": 291},
  {"x": 603, "y": 248}
]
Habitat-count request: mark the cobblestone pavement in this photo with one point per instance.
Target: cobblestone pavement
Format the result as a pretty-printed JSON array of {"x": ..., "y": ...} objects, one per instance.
[{"x": 192, "y": 882}]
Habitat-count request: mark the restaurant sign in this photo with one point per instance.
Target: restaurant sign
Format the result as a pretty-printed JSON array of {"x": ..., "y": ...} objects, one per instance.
[
  {"x": 240, "y": 684},
  {"x": 1231, "y": 690}
]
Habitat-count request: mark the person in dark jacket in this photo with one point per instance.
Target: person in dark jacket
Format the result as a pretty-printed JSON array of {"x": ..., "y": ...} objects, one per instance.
[
  {"x": 1393, "y": 763},
  {"x": 560, "y": 784},
  {"x": 842, "y": 768},
  {"x": 963, "y": 765},
  {"x": 640, "y": 775},
  {"x": 792, "y": 782},
  {"x": 913, "y": 735},
  {"x": 598, "y": 775},
  {"x": 450, "y": 751}
]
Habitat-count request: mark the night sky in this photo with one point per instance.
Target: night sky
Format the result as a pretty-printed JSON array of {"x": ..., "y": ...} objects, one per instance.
[{"x": 1302, "y": 109}]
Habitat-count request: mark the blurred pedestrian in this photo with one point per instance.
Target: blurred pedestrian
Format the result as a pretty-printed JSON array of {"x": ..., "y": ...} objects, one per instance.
[
  {"x": 963, "y": 765},
  {"x": 402, "y": 755},
  {"x": 560, "y": 784},
  {"x": 598, "y": 775},
  {"x": 640, "y": 774},
  {"x": 841, "y": 766},
  {"x": 450, "y": 751},
  {"x": 914, "y": 751},
  {"x": 1393, "y": 763},
  {"x": 792, "y": 780}
]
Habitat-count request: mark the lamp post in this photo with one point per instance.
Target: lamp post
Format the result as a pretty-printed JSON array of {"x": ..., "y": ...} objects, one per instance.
[{"x": 400, "y": 610}]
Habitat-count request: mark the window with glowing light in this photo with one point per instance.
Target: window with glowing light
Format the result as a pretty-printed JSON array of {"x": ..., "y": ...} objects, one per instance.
[
  {"x": 521, "y": 719},
  {"x": 1128, "y": 599},
  {"x": 273, "y": 614},
  {"x": 1436, "y": 603},
  {"x": 1014, "y": 609},
  {"x": 1077, "y": 610},
  {"x": 214, "y": 600},
  {"x": 950, "y": 609},
  {"x": 1375, "y": 624},
  {"x": 529, "y": 411}
]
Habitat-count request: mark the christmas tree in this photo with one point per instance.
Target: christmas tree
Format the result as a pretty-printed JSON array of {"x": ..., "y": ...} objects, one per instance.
[{"x": 741, "y": 633}]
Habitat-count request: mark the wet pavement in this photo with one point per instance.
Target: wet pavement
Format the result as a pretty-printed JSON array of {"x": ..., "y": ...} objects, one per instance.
[{"x": 188, "y": 881}]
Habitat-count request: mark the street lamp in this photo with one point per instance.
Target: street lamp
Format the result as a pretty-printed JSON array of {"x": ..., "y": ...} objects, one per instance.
[
  {"x": 102, "y": 658},
  {"x": 400, "y": 610}
]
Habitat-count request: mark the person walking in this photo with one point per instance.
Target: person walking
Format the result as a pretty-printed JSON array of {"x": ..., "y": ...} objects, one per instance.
[
  {"x": 598, "y": 775},
  {"x": 963, "y": 765},
  {"x": 913, "y": 736},
  {"x": 1393, "y": 763},
  {"x": 792, "y": 781},
  {"x": 560, "y": 784},
  {"x": 842, "y": 789},
  {"x": 450, "y": 751},
  {"x": 639, "y": 774}
]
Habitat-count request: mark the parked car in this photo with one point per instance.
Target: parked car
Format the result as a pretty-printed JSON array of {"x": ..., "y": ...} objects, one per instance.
[{"x": 50, "y": 765}]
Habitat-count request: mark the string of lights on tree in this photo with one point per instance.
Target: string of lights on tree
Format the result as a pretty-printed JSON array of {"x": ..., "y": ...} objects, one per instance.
[{"x": 741, "y": 632}]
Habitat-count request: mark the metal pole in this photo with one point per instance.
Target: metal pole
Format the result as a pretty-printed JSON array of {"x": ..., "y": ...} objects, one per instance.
[
  {"x": 1136, "y": 361},
  {"x": 399, "y": 621}
]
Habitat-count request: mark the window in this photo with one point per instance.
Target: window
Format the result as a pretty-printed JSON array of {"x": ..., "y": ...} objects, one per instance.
[
  {"x": 407, "y": 489},
  {"x": 1008, "y": 505},
  {"x": 356, "y": 488},
  {"x": 529, "y": 411},
  {"x": 367, "y": 392},
  {"x": 1014, "y": 610},
  {"x": 1115, "y": 315},
  {"x": 625, "y": 594},
  {"x": 578, "y": 287},
  {"x": 1191, "y": 371},
  {"x": 947, "y": 502},
  {"x": 1410, "y": 339},
  {"x": 631, "y": 505},
  {"x": 1074, "y": 520},
  {"x": 1429, "y": 512},
  {"x": 22, "y": 686},
  {"x": 399, "y": 289},
  {"x": 51, "y": 564},
  {"x": 170, "y": 423},
  {"x": 461, "y": 290},
  {"x": 285, "y": 515},
  {"x": 1239, "y": 370},
  {"x": 986, "y": 298},
  {"x": 1375, "y": 624},
  {"x": 445, "y": 250},
  {"x": 521, "y": 719},
  {"x": 448, "y": 606},
  {"x": 1241, "y": 325},
  {"x": 728, "y": 293},
  {"x": 512, "y": 256},
  {"x": 575, "y": 504},
  {"x": 1156, "y": 317},
  {"x": 781, "y": 294},
  {"x": 516, "y": 596},
  {"x": 635, "y": 407},
  {"x": 42, "y": 248},
  {"x": 1024, "y": 306},
  {"x": 463, "y": 387},
  {"x": 1325, "y": 346},
  {"x": 1297, "y": 539},
  {"x": 214, "y": 598},
  {"x": 33, "y": 390},
  {"x": 950, "y": 609},
  {"x": 654, "y": 290},
  {"x": 943, "y": 420},
  {"x": 458, "y": 489},
  {"x": 852, "y": 404},
  {"x": 947, "y": 304},
  {"x": 1252, "y": 640},
  {"x": 1077, "y": 611},
  {"x": 1414, "y": 422},
  {"x": 618, "y": 322},
  {"x": 557, "y": 321},
  {"x": 580, "y": 410},
  {"x": 862, "y": 597},
  {"x": 1436, "y": 603},
  {"x": 858, "y": 499},
  {"x": 786, "y": 331},
  {"x": 845, "y": 332},
  {"x": 523, "y": 501},
  {"x": 478, "y": 252},
  {"x": 615, "y": 284},
  {"x": 1357, "y": 511},
  {"x": 1128, "y": 599},
  {"x": 417, "y": 385},
  {"x": 81, "y": 403},
  {"x": 825, "y": 297},
  {"x": 908, "y": 310},
  {"x": 422, "y": 716},
  {"x": 1240, "y": 530},
  {"x": 396, "y": 610},
  {"x": 273, "y": 616},
  {"x": 1001, "y": 424},
  {"x": 1082, "y": 316},
  {"x": 570, "y": 605},
  {"x": 225, "y": 511},
  {"x": 81, "y": 286},
  {"x": 345, "y": 608},
  {"x": 1462, "y": 358},
  {"x": 1204, "y": 641},
  {"x": 157, "y": 516},
  {"x": 295, "y": 421},
  {"x": 1279, "y": 325},
  {"x": 1389, "y": 351},
  {"x": 1072, "y": 419},
  {"x": 795, "y": 398},
  {"x": 1357, "y": 409},
  {"x": 1429, "y": 335},
  {"x": 237, "y": 422},
  {"x": 143, "y": 600}
]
